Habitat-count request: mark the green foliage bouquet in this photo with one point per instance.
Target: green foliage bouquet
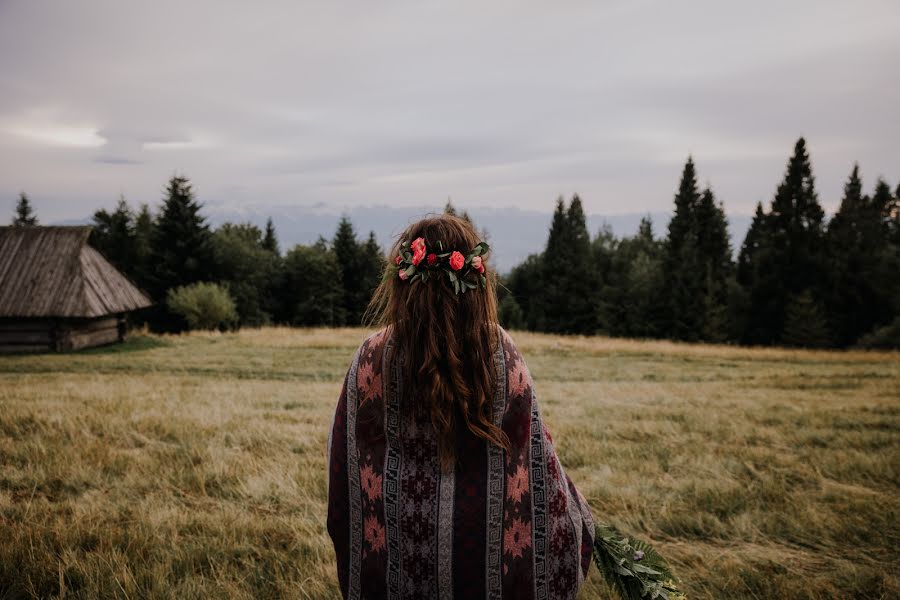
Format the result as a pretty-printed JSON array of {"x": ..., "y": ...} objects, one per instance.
[{"x": 633, "y": 567}]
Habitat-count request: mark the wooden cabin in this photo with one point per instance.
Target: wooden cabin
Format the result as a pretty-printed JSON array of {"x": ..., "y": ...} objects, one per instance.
[{"x": 57, "y": 293}]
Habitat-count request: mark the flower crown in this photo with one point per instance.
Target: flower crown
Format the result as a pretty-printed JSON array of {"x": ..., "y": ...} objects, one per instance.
[{"x": 414, "y": 261}]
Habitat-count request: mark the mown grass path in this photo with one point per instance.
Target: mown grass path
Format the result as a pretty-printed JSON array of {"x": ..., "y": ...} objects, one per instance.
[{"x": 193, "y": 466}]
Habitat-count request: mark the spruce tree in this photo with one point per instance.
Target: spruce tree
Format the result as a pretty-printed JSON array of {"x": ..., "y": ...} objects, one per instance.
[
  {"x": 853, "y": 245},
  {"x": 604, "y": 248},
  {"x": 527, "y": 290},
  {"x": 556, "y": 241},
  {"x": 580, "y": 276},
  {"x": 113, "y": 235},
  {"x": 714, "y": 255},
  {"x": 372, "y": 267},
  {"x": 683, "y": 271},
  {"x": 553, "y": 298},
  {"x": 642, "y": 309},
  {"x": 24, "y": 216},
  {"x": 270, "y": 241},
  {"x": 792, "y": 261},
  {"x": 143, "y": 233},
  {"x": 180, "y": 249},
  {"x": 754, "y": 306},
  {"x": 349, "y": 259},
  {"x": 797, "y": 224},
  {"x": 754, "y": 242},
  {"x": 885, "y": 281}
]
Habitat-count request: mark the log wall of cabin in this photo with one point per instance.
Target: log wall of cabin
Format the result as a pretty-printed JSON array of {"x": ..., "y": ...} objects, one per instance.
[{"x": 59, "y": 335}]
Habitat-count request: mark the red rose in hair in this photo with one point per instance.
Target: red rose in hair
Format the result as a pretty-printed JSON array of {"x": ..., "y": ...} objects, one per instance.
[
  {"x": 431, "y": 259},
  {"x": 398, "y": 259},
  {"x": 457, "y": 261},
  {"x": 477, "y": 264},
  {"x": 418, "y": 248}
]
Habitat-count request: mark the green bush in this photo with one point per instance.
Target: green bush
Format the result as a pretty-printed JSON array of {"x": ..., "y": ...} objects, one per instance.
[
  {"x": 510, "y": 313},
  {"x": 203, "y": 305}
]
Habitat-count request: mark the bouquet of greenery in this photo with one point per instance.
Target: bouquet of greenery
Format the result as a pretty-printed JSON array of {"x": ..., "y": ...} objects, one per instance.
[{"x": 633, "y": 567}]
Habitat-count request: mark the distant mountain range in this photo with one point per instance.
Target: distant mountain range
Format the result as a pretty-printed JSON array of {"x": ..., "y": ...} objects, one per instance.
[{"x": 512, "y": 232}]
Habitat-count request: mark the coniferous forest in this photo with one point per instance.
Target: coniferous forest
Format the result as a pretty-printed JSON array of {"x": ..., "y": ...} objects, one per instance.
[{"x": 798, "y": 279}]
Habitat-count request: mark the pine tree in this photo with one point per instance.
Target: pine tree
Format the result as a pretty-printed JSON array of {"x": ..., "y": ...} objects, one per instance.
[
  {"x": 24, "y": 216},
  {"x": 143, "y": 233},
  {"x": 527, "y": 290},
  {"x": 449, "y": 209},
  {"x": 113, "y": 236},
  {"x": 553, "y": 297},
  {"x": 792, "y": 261},
  {"x": 714, "y": 256},
  {"x": 643, "y": 309},
  {"x": 797, "y": 223},
  {"x": 683, "y": 271},
  {"x": 349, "y": 258},
  {"x": 751, "y": 307},
  {"x": 754, "y": 242},
  {"x": 604, "y": 249},
  {"x": 580, "y": 276},
  {"x": 372, "y": 266},
  {"x": 885, "y": 282},
  {"x": 180, "y": 249},
  {"x": 556, "y": 241},
  {"x": 270, "y": 241},
  {"x": 853, "y": 239}
]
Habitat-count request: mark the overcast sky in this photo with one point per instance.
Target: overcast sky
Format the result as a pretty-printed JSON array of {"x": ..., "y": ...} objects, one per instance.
[{"x": 407, "y": 103}]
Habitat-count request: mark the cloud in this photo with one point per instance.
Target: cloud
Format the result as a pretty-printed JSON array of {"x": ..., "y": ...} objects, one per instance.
[
  {"x": 115, "y": 160},
  {"x": 170, "y": 145},
  {"x": 66, "y": 136},
  {"x": 409, "y": 103}
]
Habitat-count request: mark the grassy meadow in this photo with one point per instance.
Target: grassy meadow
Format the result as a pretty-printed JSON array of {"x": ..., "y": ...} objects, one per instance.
[{"x": 193, "y": 466}]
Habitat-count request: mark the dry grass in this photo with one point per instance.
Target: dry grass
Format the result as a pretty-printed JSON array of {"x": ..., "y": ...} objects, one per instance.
[{"x": 193, "y": 466}]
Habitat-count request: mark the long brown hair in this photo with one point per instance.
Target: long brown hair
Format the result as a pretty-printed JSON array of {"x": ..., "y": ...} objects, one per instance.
[{"x": 447, "y": 339}]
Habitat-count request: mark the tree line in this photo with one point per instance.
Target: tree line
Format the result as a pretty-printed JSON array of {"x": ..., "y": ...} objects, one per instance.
[
  {"x": 174, "y": 255},
  {"x": 798, "y": 279}
]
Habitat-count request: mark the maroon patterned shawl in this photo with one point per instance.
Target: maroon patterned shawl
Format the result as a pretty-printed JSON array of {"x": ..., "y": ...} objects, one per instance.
[{"x": 503, "y": 525}]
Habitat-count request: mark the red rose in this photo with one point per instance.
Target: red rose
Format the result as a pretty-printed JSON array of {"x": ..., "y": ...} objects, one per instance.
[
  {"x": 477, "y": 264},
  {"x": 431, "y": 259},
  {"x": 457, "y": 261},
  {"x": 398, "y": 260},
  {"x": 418, "y": 248}
]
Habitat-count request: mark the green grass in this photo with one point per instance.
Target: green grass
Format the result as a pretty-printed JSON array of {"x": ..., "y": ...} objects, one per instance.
[{"x": 193, "y": 466}]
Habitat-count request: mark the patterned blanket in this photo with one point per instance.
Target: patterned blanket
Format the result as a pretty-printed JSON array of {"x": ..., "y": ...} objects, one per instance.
[{"x": 503, "y": 525}]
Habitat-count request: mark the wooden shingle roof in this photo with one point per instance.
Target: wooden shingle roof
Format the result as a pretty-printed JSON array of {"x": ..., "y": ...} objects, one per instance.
[{"x": 53, "y": 272}]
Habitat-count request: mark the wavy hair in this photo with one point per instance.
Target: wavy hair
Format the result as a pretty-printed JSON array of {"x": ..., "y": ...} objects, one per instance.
[{"x": 447, "y": 339}]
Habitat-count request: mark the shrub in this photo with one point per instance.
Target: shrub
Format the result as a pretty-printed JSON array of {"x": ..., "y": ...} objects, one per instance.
[{"x": 203, "y": 305}]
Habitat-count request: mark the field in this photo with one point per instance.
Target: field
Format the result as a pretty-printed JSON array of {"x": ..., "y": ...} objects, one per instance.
[{"x": 193, "y": 466}]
